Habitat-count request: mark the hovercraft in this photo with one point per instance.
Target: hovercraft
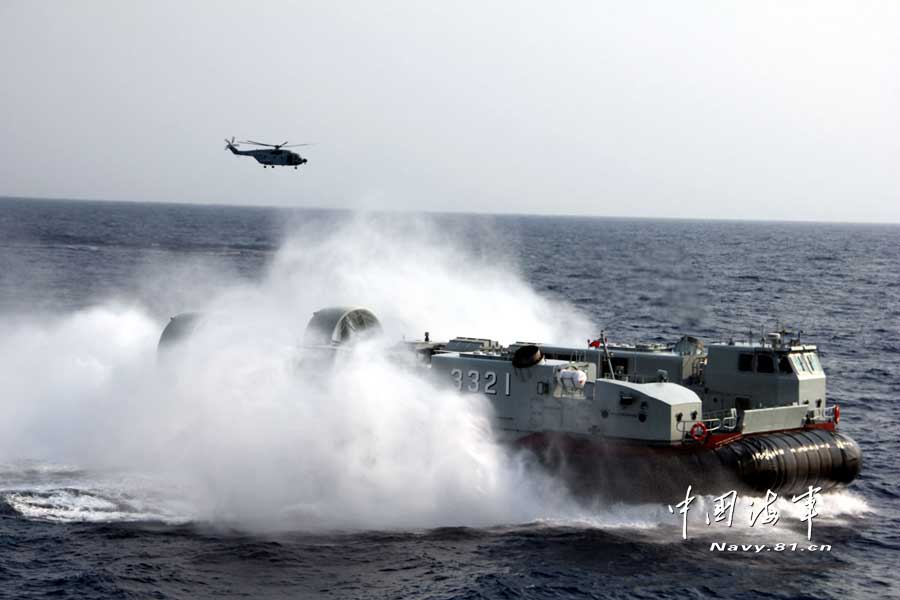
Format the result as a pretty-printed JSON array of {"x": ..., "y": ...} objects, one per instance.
[
  {"x": 636, "y": 421},
  {"x": 645, "y": 421}
]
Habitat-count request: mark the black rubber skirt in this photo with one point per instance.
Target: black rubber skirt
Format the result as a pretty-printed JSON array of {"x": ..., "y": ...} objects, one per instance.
[
  {"x": 787, "y": 463},
  {"x": 791, "y": 461}
]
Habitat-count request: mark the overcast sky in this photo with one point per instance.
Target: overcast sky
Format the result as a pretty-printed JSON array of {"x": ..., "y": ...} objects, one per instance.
[{"x": 782, "y": 110}]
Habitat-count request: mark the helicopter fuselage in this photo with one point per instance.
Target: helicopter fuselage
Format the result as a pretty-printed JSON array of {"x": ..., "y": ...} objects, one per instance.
[{"x": 284, "y": 158}]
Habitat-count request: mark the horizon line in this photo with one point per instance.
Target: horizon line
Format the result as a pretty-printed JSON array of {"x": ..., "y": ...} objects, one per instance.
[{"x": 446, "y": 212}]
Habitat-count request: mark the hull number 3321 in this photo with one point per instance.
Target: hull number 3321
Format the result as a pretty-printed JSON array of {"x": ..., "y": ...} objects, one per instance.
[{"x": 476, "y": 381}]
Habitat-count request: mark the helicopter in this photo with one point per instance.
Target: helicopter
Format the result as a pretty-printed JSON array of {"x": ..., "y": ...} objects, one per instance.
[{"x": 269, "y": 158}]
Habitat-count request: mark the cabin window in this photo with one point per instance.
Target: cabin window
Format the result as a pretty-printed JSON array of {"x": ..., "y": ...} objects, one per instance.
[
  {"x": 784, "y": 365},
  {"x": 745, "y": 362},
  {"x": 764, "y": 363},
  {"x": 798, "y": 363}
]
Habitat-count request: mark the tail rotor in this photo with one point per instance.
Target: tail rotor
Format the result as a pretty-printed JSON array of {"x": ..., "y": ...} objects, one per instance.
[{"x": 230, "y": 145}]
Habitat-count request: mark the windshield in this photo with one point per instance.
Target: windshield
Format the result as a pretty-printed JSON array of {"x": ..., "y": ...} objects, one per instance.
[
  {"x": 806, "y": 362},
  {"x": 813, "y": 361}
]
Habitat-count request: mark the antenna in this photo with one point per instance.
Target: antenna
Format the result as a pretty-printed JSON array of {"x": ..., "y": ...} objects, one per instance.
[{"x": 606, "y": 354}]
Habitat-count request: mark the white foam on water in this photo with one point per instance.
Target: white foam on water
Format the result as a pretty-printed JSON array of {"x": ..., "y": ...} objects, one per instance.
[
  {"x": 82, "y": 506},
  {"x": 614, "y": 515},
  {"x": 246, "y": 438},
  {"x": 55, "y": 493}
]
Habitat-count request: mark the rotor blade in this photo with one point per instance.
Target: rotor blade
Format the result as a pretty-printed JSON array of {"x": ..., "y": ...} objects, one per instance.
[
  {"x": 257, "y": 143},
  {"x": 295, "y": 145}
]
